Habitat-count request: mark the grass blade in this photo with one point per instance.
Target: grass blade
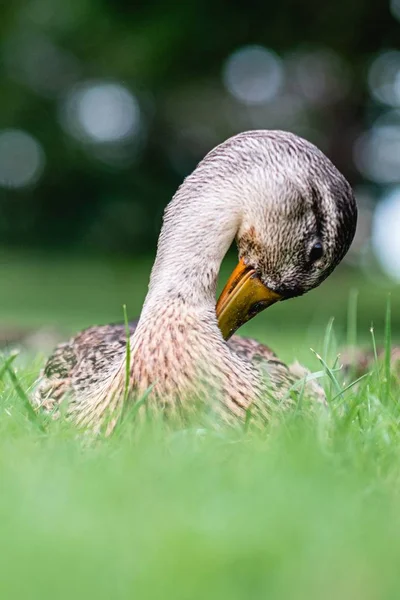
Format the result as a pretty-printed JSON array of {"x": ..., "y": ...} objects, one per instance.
[
  {"x": 353, "y": 383},
  {"x": 128, "y": 415},
  {"x": 33, "y": 416},
  {"x": 329, "y": 372},
  {"x": 375, "y": 351},
  {"x": 388, "y": 350},
  {"x": 352, "y": 319},
  {"x": 328, "y": 339},
  {"x": 372, "y": 332},
  {"x": 352, "y": 327},
  {"x": 8, "y": 362}
]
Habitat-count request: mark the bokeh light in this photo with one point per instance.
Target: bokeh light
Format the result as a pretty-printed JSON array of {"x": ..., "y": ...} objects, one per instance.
[
  {"x": 320, "y": 75},
  {"x": 54, "y": 14},
  {"x": 37, "y": 62},
  {"x": 21, "y": 159},
  {"x": 384, "y": 78},
  {"x": 395, "y": 8},
  {"x": 366, "y": 201},
  {"x": 66, "y": 70},
  {"x": 377, "y": 151},
  {"x": 385, "y": 233},
  {"x": 101, "y": 112},
  {"x": 253, "y": 75}
]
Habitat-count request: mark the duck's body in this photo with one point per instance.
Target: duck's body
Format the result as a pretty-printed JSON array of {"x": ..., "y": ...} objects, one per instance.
[
  {"x": 87, "y": 359},
  {"x": 282, "y": 199}
]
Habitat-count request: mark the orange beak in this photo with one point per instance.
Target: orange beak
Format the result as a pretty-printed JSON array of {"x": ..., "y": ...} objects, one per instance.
[{"x": 243, "y": 297}]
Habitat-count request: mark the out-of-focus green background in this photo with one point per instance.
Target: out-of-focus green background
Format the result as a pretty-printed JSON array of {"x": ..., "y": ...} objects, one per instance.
[{"x": 106, "y": 106}]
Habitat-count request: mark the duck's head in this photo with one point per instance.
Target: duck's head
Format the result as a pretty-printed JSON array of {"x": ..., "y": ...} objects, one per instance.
[{"x": 297, "y": 227}]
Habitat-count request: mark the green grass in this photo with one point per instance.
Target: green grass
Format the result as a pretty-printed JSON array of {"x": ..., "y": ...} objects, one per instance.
[{"x": 307, "y": 506}]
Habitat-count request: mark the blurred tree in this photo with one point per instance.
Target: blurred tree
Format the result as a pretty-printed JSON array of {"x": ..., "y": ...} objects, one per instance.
[{"x": 120, "y": 101}]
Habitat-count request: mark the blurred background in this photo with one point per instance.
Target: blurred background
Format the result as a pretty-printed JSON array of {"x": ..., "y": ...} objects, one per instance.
[{"x": 106, "y": 106}]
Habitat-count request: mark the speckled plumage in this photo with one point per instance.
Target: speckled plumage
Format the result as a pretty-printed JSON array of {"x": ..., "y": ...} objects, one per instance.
[
  {"x": 86, "y": 358},
  {"x": 276, "y": 194}
]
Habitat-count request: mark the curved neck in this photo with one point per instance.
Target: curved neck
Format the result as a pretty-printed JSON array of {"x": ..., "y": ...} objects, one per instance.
[
  {"x": 177, "y": 341},
  {"x": 177, "y": 347},
  {"x": 199, "y": 227}
]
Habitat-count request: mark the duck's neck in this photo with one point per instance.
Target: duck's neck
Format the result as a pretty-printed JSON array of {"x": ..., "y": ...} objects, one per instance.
[
  {"x": 177, "y": 338},
  {"x": 196, "y": 234},
  {"x": 194, "y": 239}
]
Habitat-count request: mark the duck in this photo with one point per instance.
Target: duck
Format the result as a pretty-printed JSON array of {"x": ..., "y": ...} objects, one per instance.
[{"x": 293, "y": 216}]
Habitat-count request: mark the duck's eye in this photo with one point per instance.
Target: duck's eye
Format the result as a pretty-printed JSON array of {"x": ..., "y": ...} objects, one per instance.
[{"x": 316, "y": 252}]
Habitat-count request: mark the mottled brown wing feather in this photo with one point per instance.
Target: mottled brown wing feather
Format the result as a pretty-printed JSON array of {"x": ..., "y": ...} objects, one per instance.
[
  {"x": 251, "y": 349},
  {"x": 84, "y": 358},
  {"x": 279, "y": 372}
]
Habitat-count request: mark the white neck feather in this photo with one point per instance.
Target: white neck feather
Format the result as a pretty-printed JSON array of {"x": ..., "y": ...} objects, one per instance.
[{"x": 197, "y": 232}]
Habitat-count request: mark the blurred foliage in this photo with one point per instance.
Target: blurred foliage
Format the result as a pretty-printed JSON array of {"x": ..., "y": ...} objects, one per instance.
[{"x": 170, "y": 56}]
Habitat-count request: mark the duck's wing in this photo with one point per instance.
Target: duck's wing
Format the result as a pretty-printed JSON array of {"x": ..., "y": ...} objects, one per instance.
[
  {"x": 80, "y": 362},
  {"x": 274, "y": 369},
  {"x": 282, "y": 376},
  {"x": 252, "y": 350}
]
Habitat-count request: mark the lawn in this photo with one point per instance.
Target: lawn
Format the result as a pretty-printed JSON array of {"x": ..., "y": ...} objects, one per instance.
[{"x": 308, "y": 506}]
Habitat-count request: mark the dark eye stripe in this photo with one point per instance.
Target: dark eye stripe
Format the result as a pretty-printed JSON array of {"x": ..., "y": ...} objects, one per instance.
[{"x": 317, "y": 210}]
